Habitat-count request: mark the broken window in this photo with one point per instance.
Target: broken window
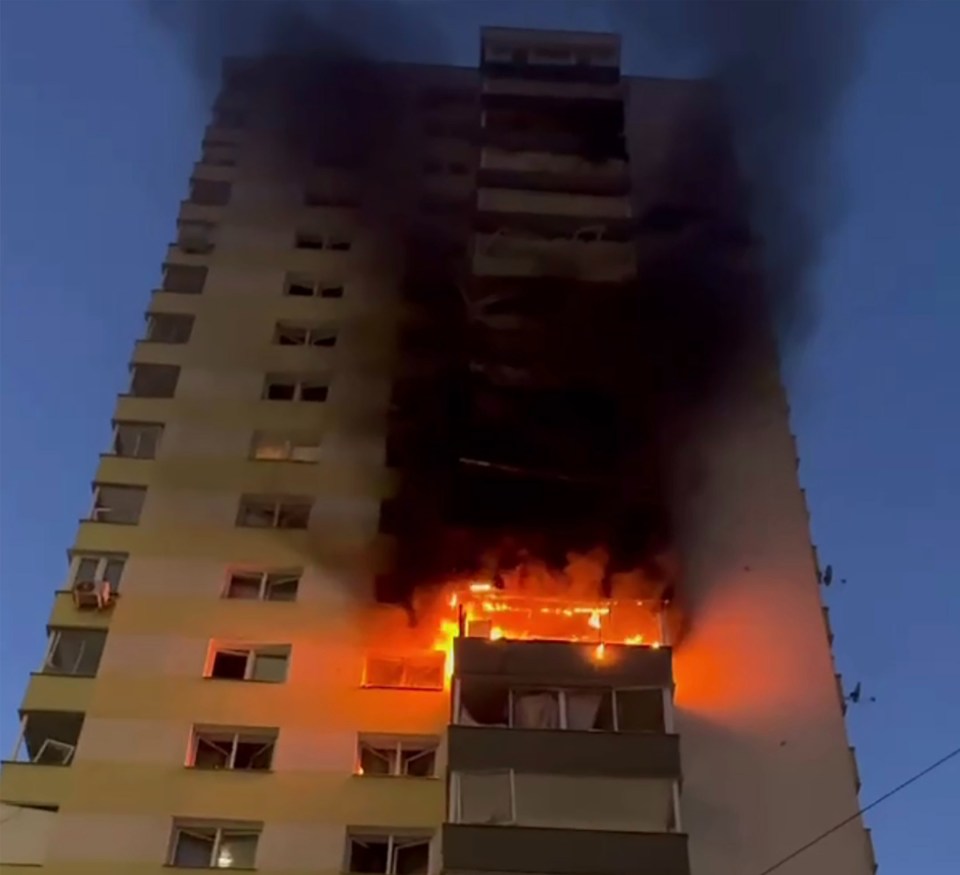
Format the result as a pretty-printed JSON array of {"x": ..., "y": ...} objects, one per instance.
[
  {"x": 49, "y": 738},
  {"x": 99, "y": 568},
  {"x": 117, "y": 504},
  {"x": 154, "y": 381},
  {"x": 169, "y": 327},
  {"x": 409, "y": 756},
  {"x": 185, "y": 279},
  {"x": 268, "y": 586},
  {"x": 388, "y": 854},
  {"x": 74, "y": 652},
  {"x": 262, "y": 512},
  {"x": 421, "y": 672},
  {"x": 286, "y": 446},
  {"x": 195, "y": 236},
  {"x": 489, "y": 703},
  {"x": 289, "y": 387},
  {"x": 266, "y": 663},
  {"x": 136, "y": 440},
  {"x": 210, "y": 192},
  {"x": 210, "y": 845},
  {"x": 640, "y": 710},
  {"x": 243, "y": 750},
  {"x": 300, "y": 334}
]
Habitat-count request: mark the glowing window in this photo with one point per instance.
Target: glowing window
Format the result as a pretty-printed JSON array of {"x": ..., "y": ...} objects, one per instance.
[{"x": 420, "y": 672}]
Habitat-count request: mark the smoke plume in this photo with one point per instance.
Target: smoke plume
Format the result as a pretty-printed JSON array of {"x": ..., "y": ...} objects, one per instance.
[{"x": 727, "y": 246}]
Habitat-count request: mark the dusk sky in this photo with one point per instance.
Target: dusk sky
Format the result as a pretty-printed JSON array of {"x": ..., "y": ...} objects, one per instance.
[{"x": 101, "y": 123}]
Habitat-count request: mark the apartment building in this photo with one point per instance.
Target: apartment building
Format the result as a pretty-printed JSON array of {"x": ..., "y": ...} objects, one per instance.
[{"x": 342, "y": 401}]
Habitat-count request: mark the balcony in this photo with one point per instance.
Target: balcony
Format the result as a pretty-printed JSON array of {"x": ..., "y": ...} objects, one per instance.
[
  {"x": 589, "y": 261},
  {"x": 583, "y": 206},
  {"x": 548, "y": 171},
  {"x": 507, "y": 89},
  {"x": 494, "y": 848}
]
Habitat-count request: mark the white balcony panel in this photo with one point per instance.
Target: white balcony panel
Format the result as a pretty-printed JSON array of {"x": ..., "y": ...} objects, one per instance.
[{"x": 503, "y": 200}]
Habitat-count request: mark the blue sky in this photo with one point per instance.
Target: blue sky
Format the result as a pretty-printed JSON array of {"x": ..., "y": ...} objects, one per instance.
[{"x": 100, "y": 126}]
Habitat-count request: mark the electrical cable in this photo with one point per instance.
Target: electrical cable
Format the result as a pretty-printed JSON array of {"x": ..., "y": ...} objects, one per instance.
[{"x": 863, "y": 810}]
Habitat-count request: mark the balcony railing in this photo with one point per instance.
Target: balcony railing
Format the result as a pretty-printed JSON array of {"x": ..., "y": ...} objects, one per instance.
[{"x": 596, "y": 261}]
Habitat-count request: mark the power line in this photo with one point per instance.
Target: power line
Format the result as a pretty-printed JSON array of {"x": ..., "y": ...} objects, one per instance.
[{"x": 863, "y": 810}]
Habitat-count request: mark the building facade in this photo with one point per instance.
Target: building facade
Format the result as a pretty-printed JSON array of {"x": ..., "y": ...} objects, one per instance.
[{"x": 376, "y": 357}]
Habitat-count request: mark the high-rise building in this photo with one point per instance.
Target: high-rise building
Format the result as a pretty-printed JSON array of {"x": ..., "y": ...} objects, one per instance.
[{"x": 421, "y": 545}]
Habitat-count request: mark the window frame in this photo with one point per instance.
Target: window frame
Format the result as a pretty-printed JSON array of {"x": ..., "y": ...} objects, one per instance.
[
  {"x": 269, "y": 736},
  {"x": 97, "y": 509},
  {"x": 322, "y": 241},
  {"x": 53, "y": 641},
  {"x": 264, "y": 583},
  {"x": 288, "y": 444},
  {"x": 316, "y": 285},
  {"x": 219, "y": 830},
  {"x": 396, "y": 745},
  {"x": 299, "y": 384},
  {"x": 312, "y": 331},
  {"x": 407, "y": 661},
  {"x": 166, "y": 368},
  {"x": 103, "y": 560},
  {"x": 277, "y": 511},
  {"x": 118, "y": 424},
  {"x": 392, "y": 841},
  {"x": 251, "y": 653},
  {"x": 185, "y": 319},
  {"x": 188, "y": 270}
]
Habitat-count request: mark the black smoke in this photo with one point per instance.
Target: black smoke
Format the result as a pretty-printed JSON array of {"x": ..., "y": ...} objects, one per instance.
[{"x": 733, "y": 213}]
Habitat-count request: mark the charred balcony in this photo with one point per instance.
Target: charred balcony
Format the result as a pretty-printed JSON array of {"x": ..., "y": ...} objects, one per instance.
[
  {"x": 593, "y": 132},
  {"x": 545, "y": 171}
]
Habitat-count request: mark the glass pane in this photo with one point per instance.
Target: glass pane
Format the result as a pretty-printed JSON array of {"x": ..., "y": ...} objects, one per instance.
[
  {"x": 383, "y": 672},
  {"x": 269, "y": 447},
  {"x": 418, "y": 763},
  {"x": 536, "y": 709},
  {"x": 377, "y": 761},
  {"x": 583, "y": 708},
  {"x": 306, "y": 452},
  {"x": 300, "y": 290},
  {"x": 485, "y": 797},
  {"x": 640, "y": 710},
  {"x": 257, "y": 514},
  {"x": 282, "y": 589},
  {"x": 212, "y": 753},
  {"x": 411, "y": 858},
  {"x": 369, "y": 855},
  {"x": 67, "y": 653},
  {"x": 112, "y": 571},
  {"x": 92, "y": 651},
  {"x": 270, "y": 667},
  {"x": 426, "y": 672},
  {"x": 313, "y": 392},
  {"x": 293, "y": 516},
  {"x": 290, "y": 335},
  {"x": 253, "y": 753},
  {"x": 230, "y": 664},
  {"x": 86, "y": 569},
  {"x": 280, "y": 391},
  {"x": 244, "y": 586},
  {"x": 237, "y": 850},
  {"x": 193, "y": 848}
]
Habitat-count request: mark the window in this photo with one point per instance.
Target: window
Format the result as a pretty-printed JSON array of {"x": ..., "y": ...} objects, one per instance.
[
  {"x": 184, "y": 279},
  {"x": 136, "y": 440},
  {"x": 302, "y": 286},
  {"x": 285, "y": 447},
  {"x": 287, "y": 387},
  {"x": 409, "y": 756},
  {"x": 387, "y": 854},
  {"x": 266, "y": 663},
  {"x": 266, "y": 586},
  {"x": 219, "y": 154},
  {"x": 210, "y": 192},
  {"x": 49, "y": 738},
  {"x": 248, "y": 750},
  {"x": 422, "y": 672},
  {"x": 99, "y": 568},
  {"x": 117, "y": 504},
  {"x": 335, "y": 243},
  {"x": 74, "y": 652},
  {"x": 169, "y": 327},
  {"x": 195, "y": 237},
  {"x": 261, "y": 512},
  {"x": 299, "y": 334},
  {"x": 154, "y": 381},
  {"x": 590, "y": 708},
  {"x": 210, "y": 845}
]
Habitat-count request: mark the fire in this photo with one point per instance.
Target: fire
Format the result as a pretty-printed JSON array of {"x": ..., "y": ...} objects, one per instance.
[{"x": 468, "y": 610}]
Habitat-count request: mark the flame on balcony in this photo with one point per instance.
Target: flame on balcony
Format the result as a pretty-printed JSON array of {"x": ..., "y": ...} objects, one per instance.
[{"x": 478, "y": 609}]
